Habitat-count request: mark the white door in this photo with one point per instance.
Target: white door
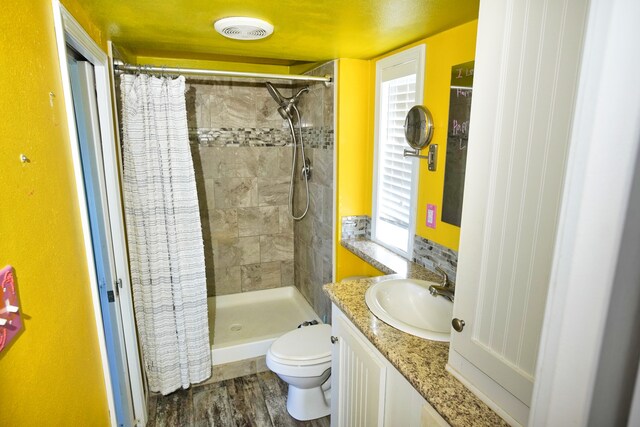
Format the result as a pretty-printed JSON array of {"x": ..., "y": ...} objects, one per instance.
[
  {"x": 358, "y": 376},
  {"x": 82, "y": 79},
  {"x": 97, "y": 176},
  {"x": 526, "y": 71}
]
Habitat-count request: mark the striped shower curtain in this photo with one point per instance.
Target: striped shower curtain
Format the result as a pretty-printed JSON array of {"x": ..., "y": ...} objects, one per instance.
[{"x": 164, "y": 234}]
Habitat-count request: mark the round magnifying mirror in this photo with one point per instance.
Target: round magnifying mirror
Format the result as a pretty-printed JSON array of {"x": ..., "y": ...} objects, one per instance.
[{"x": 418, "y": 127}]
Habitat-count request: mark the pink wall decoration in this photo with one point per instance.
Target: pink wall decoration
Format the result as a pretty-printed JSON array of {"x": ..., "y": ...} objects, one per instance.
[{"x": 10, "y": 321}]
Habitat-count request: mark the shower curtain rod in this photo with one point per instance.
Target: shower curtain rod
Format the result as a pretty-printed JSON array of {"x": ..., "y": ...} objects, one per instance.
[{"x": 121, "y": 66}]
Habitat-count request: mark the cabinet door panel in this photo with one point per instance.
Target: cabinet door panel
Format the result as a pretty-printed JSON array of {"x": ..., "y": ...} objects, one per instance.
[
  {"x": 360, "y": 380},
  {"x": 528, "y": 55}
]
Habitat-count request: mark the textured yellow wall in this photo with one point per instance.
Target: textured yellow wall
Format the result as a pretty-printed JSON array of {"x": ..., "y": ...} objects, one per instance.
[
  {"x": 443, "y": 51},
  {"x": 52, "y": 374},
  {"x": 355, "y": 156}
]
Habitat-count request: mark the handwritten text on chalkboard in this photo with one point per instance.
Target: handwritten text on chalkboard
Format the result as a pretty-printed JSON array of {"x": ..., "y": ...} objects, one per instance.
[{"x": 457, "y": 141}]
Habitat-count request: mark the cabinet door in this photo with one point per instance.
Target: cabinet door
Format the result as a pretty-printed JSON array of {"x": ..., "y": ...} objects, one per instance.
[
  {"x": 528, "y": 55},
  {"x": 358, "y": 380}
]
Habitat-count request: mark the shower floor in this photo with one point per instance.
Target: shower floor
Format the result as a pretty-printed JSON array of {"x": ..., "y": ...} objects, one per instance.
[{"x": 243, "y": 326}]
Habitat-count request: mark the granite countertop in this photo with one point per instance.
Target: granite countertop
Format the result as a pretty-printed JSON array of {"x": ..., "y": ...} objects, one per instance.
[{"x": 421, "y": 361}]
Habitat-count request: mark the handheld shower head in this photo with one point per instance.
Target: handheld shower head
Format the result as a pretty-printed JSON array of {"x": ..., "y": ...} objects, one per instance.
[
  {"x": 275, "y": 94},
  {"x": 284, "y": 112},
  {"x": 285, "y": 104}
]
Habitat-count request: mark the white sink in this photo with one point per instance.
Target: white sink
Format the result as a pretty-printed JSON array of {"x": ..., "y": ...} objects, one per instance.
[{"x": 407, "y": 305}]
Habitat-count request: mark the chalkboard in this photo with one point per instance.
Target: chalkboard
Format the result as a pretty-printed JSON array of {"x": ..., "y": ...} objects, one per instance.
[{"x": 457, "y": 141}]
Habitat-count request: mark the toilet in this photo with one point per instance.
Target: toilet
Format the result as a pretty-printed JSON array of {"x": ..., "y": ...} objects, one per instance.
[{"x": 302, "y": 359}]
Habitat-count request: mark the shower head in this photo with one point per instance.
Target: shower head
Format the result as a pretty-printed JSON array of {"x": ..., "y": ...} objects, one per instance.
[
  {"x": 285, "y": 104},
  {"x": 284, "y": 113},
  {"x": 275, "y": 94}
]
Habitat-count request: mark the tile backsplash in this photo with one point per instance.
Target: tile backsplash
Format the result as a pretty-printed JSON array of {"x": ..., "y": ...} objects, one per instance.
[
  {"x": 356, "y": 226},
  {"x": 427, "y": 253},
  {"x": 430, "y": 254}
]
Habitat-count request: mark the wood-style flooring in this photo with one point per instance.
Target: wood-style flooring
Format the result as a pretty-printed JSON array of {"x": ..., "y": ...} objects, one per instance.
[{"x": 253, "y": 400}]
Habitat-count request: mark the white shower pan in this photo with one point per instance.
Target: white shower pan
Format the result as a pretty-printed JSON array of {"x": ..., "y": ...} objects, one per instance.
[{"x": 243, "y": 326}]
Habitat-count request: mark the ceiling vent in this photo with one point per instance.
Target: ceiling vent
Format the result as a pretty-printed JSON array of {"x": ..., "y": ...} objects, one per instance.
[{"x": 243, "y": 28}]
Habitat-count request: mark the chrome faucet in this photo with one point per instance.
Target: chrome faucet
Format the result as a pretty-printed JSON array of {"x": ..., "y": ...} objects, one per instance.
[{"x": 445, "y": 289}]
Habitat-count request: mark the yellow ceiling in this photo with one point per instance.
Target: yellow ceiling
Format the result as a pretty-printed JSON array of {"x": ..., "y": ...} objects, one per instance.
[{"x": 305, "y": 30}]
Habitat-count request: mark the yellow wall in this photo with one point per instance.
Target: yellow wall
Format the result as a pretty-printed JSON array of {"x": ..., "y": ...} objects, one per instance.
[
  {"x": 52, "y": 374},
  {"x": 444, "y": 50},
  {"x": 354, "y": 157},
  {"x": 355, "y": 136}
]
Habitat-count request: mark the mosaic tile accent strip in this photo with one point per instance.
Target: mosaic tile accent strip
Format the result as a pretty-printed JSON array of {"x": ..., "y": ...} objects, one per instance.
[
  {"x": 239, "y": 137},
  {"x": 356, "y": 226},
  {"x": 318, "y": 138},
  {"x": 259, "y": 137},
  {"x": 430, "y": 254}
]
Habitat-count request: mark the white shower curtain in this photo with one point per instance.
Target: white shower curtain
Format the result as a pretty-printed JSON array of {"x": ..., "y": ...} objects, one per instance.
[{"x": 164, "y": 233}]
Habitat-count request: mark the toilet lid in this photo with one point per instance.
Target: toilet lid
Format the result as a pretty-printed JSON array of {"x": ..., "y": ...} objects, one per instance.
[{"x": 304, "y": 344}]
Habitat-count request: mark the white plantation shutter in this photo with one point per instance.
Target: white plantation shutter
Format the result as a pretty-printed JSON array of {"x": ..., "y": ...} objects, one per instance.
[
  {"x": 396, "y": 170},
  {"x": 398, "y": 88}
]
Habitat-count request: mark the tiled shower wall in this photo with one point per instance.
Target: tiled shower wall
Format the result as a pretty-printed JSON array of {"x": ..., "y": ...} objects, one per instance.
[
  {"x": 242, "y": 157},
  {"x": 313, "y": 235},
  {"x": 240, "y": 154}
]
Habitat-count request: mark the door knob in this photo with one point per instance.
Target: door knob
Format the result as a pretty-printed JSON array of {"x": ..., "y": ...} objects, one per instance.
[
  {"x": 457, "y": 324},
  {"x": 334, "y": 339}
]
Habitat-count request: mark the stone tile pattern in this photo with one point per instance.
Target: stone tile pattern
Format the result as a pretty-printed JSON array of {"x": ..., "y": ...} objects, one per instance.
[
  {"x": 242, "y": 154},
  {"x": 223, "y": 112},
  {"x": 422, "y": 362},
  {"x": 430, "y": 254},
  {"x": 242, "y": 165},
  {"x": 252, "y": 400},
  {"x": 313, "y": 235},
  {"x": 356, "y": 226},
  {"x": 247, "y": 234}
]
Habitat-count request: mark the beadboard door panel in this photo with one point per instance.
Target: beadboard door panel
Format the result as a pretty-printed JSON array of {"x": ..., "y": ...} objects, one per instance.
[
  {"x": 528, "y": 54},
  {"x": 361, "y": 376}
]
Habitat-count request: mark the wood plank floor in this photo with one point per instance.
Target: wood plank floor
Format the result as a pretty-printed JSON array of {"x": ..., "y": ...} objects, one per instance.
[{"x": 253, "y": 400}]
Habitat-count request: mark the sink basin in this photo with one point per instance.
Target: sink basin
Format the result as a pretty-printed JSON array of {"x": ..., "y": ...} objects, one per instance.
[{"x": 407, "y": 305}]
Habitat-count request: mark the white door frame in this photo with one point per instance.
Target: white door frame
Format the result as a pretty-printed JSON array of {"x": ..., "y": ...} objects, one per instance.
[
  {"x": 593, "y": 293},
  {"x": 68, "y": 31}
]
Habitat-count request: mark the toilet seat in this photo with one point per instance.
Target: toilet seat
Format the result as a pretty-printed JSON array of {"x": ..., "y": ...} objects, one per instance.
[
  {"x": 307, "y": 345},
  {"x": 302, "y": 352}
]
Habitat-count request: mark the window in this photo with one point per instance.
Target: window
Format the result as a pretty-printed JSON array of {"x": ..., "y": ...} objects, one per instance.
[{"x": 399, "y": 86}]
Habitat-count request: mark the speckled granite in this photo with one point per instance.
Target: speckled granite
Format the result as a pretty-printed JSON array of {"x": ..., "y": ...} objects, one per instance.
[
  {"x": 385, "y": 260},
  {"x": 421, "y": 361}
]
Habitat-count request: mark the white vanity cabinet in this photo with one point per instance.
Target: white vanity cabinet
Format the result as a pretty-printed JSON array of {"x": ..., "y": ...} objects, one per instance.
[{"x": 366, "y": 389}]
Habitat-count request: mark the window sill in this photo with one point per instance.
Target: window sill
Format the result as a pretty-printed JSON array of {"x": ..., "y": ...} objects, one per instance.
[{"x": 383, "y": 259}]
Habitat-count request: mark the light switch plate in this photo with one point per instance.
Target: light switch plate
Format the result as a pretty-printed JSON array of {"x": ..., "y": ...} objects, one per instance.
[{"x": 431, "y": 215}]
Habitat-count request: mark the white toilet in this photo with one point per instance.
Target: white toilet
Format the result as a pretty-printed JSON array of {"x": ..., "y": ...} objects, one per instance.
[{"x": 302, "y": 358}]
